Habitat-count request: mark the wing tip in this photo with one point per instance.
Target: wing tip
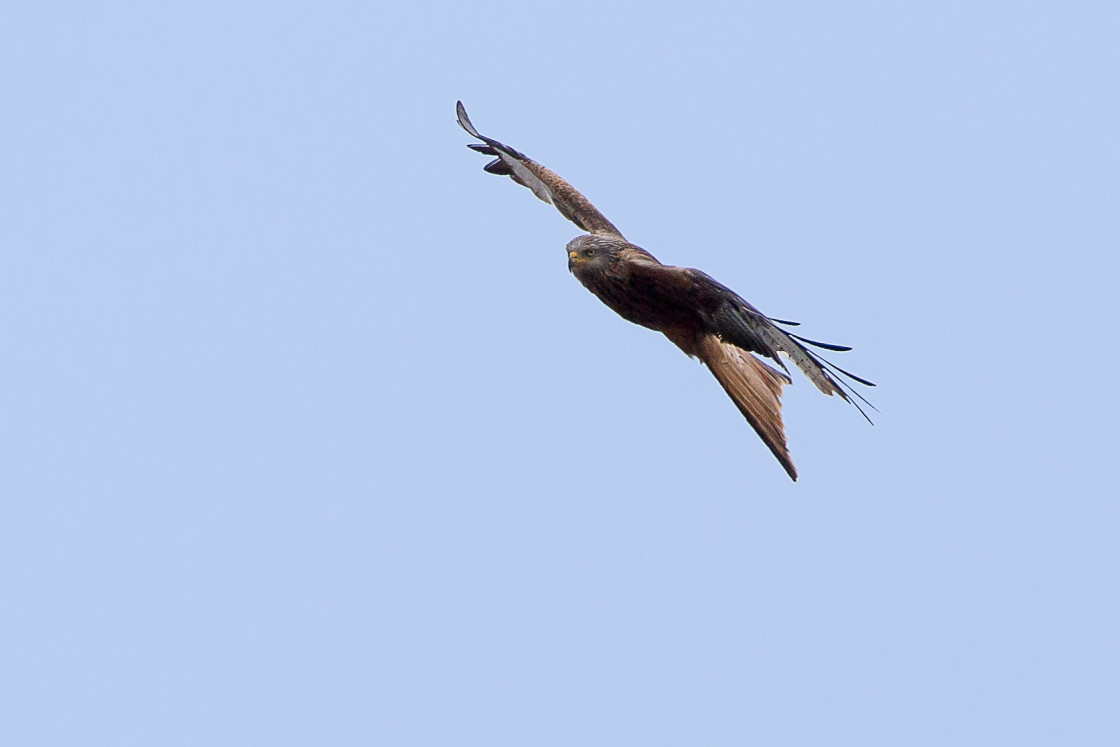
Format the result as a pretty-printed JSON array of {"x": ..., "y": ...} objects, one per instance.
[{"x": 464, "y": 120}]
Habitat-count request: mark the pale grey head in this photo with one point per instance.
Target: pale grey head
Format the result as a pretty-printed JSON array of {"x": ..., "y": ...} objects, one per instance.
[{"x": 594, "y": 253}]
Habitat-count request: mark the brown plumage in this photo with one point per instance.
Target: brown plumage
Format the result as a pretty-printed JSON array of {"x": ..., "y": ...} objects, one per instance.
[{"x": 703, "y": 318}]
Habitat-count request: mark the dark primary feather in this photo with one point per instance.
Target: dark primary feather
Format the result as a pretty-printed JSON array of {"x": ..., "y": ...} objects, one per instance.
[{"x": 822, "y": 345}]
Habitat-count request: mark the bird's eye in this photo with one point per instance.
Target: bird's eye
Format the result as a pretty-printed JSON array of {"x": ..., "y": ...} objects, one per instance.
[{"x": 589, "y": 252}]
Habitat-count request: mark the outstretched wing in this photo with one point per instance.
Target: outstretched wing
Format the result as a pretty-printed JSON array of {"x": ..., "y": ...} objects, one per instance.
[
  {"x": 741, "y": 324},
  {"x": 545, "y": 183}
]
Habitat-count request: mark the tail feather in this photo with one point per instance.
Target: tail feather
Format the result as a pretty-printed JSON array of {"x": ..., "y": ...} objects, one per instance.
[{"x": 755, "y": 388}]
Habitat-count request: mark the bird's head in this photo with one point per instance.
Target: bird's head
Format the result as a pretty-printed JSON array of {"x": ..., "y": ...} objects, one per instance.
[{"x": 591, "y": 253}]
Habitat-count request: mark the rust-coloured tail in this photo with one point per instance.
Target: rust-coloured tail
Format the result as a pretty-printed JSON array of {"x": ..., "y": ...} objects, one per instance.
[{"x": 755, "y": 388}]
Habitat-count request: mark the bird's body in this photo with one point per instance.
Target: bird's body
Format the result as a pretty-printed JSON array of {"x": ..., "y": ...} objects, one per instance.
[
  {"x": 699, "y": 315},
  {"x": 634, "y": 284}
]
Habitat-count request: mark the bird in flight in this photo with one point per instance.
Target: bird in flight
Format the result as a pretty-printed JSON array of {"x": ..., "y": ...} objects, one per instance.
[{"x": 705, "y": 319}]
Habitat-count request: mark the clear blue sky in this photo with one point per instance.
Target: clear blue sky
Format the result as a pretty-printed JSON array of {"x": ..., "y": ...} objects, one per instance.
[{"x": 309, "y": 437}]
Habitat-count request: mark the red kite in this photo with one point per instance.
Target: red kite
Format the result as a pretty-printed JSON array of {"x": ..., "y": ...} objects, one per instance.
[{"x": 703, "y": 318}]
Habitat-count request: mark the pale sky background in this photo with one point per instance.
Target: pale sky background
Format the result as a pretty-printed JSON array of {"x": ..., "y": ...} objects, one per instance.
[{"x": 309, "y": 437}]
